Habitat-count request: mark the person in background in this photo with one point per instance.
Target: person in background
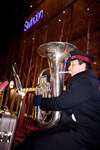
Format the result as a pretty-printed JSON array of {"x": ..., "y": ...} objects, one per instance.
[{"x": 79, "y": 127}]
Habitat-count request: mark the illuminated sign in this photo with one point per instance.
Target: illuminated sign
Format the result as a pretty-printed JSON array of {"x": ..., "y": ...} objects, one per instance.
[{"x": 29, "y": 23}]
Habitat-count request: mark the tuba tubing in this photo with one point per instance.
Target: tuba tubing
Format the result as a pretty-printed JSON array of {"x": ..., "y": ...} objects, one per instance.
[{"x": 57, "y": 53}]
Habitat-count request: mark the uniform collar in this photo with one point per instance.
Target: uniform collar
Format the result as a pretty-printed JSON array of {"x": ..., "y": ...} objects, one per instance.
[{"x": 82, "y": 74}]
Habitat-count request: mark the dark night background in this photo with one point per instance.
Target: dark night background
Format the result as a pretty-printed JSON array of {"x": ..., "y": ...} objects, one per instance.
[{"x": 12, "y": 16}]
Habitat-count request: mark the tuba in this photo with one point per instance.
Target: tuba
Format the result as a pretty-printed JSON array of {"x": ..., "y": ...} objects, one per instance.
[{"x": 57, "y": 54}]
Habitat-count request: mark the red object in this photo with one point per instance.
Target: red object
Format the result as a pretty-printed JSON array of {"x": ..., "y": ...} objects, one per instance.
[
  {"x": 3, "y": 85},
  {"x": 84, "y": 58}
]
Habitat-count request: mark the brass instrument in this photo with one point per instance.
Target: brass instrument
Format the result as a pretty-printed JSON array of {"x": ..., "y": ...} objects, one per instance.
[
  {"x": 57, "y": 54},
  {"x": 8, "y": 117}
]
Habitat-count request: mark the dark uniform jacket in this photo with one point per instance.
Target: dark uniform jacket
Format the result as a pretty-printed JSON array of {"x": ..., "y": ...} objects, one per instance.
[
  {"x": 81, "y": 104},
  {"x": 79, "y": 127}
]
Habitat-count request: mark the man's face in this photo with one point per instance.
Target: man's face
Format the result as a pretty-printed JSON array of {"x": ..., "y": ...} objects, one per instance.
[{"x": 75, "y": 67}]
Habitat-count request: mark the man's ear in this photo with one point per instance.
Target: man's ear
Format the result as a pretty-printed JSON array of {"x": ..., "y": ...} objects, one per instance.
[{"x": 83, "y": 65}]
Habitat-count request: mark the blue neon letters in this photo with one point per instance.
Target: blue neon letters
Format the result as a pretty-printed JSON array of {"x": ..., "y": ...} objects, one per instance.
[{"x": 29, "y": 23}]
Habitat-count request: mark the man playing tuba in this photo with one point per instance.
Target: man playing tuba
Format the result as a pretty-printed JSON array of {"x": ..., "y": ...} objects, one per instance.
[{"x": 79, "y": 125}]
